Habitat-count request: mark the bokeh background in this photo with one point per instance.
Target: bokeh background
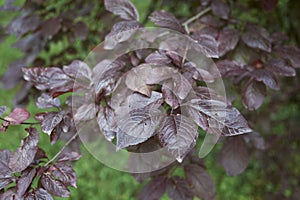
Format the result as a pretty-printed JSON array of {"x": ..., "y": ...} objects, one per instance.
[{"x": 273, "y": 173}]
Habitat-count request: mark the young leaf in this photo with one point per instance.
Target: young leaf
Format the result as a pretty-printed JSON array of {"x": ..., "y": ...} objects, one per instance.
[
  {"x": 253, "y": 95},
  {"x": 55, "y": 187},
  {"x": 257, "y": 37},
  {"x": 123, "y": 8},
  {"x": 65, "y": 174},
  {"x": 17, "y": 116},
  {"x": 200, "y": 182},
  {"x": 220, "y": 8},
  {"x": 46, "y": 101},
  {"x": 178, "y": 189},
  {"x": 178, "y": 134},
  {"x": 106, "y": 122},
  {"x": 86, "y": 112},
  {"x": 25, "y": 154},
  {"x": 68, "y": 157},
  {"x": 234, "y": 156},
  {"x": 167, "y": 20},
  {"x": 154, "y": 189}
]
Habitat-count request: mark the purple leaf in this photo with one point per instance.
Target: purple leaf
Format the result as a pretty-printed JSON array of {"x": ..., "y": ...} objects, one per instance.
[
  {"x": 25, "y": 154},
  {"x": 79, "y": 71},
  {"x": 257, "y": 37},
  {"x": 38, "y": 193},
  {"x": 178, "y": 134},
  {"x": 5, "y": 171},
  {"x": 216, "y": 117},
  {"x": 81, "y": 30},
  {"x": 208, "y": 44},
  {"x": 280, "y": 67},
  {"x": 105, "y": 75},
  {"x": 169, "y": 97},
  {"x": 55, "y": 187},
  {"x": 267, "y": 77},
  {"x": 23, "y": 24},
  {"x": 123, "y": 8},
  {"x": 230, "y": 68},
  {"x": 178, "y": 189},
  {"x": 228, "y": 39},
  {"x": 50, "y": 27},
  {"x": 254, "y": 95},
  {"x": 46, "y": 101},
  {"x": 211, "y": 21},
  {"x": 291, "y": 53},
  {"x": 52, "y": 79},
  {"x": 234, "y": 156},
  {"x": 86, "y": 112},
  {"x": 106, "y": 122},
  {"x": 220, "y": 8},
  {"x": 166, "y": 20},
  {"x": 13, "y": 75},
  {"x": 68, "y": 157},
  {"x": 51, "y": 121},
  {"x": 157, "y": 58},
  {"x": 25, "y": 181},
  {"x": 136, "y": 125},
  {"x": 154, "y": 189},
  {"x": 65, "y": 174},
  {"x": 257, "y": 140},
  {"x": 120, "y": 32},
  {"x": 200, "y": 181}
]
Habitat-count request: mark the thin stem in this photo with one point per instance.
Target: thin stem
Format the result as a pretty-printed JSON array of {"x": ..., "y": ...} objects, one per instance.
[
  {"x": 62, "y": 149},
  {"x": 186, "y": 23},
  {"x": 23, "y": 123}
]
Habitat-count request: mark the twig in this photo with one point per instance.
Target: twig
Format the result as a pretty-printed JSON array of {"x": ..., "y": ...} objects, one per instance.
[
  {"x": 63, "y": 148},
  {"x": 186, "y": 23},
  {"x": 23, "y": 123}
]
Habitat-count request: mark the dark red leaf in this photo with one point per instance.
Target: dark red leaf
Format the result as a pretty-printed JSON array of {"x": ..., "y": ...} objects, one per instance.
[
  {"x": 17, "y": 116},
  {"x": 253, "y": 95},
  {"x": 256, "y": 140},
  {"x": 79, "y": 71},
  {"x": 211, "y": 21},
  {"x": 50, "y": 121},
  {"x": 178, "y": 189},
  {"x": 170, "y": 98},
  {"x": 5, "y": 171},
  {"x": 123, "y": 8},
  {"x": 68, "y": 157},
  {"x": 267, "y": 77},
  {"x": 228, "y": 39},
  {"x": 220, "y": 8},
  {"x": 157, "y": 58},
  {"x": 178, "y": 134},
  {"x": 38, "y": 193},
  {"x": 166, "y": 20},
  {"x": 46, "y": 101},
  {"x": 13, "y": 75},
  {"x": 25, "y": 181},
  {"x": 154, "y": 189},
  {"x": 55, "y": 187},
  {"x": 200, "y": 181},
  {"x": 234, "y": 156},
  {"x": 257, "y": 37},
  {"x": 229, "y": 68},
  {"x": 51, "y": 27},
  {"x": 25, "y": 154},
  {"x": 280, "y": 67}
]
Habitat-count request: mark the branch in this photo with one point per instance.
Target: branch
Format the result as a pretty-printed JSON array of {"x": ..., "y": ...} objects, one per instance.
[
  {"x": 186, "y": 23},
  {"x": 63, "y": 148}
]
